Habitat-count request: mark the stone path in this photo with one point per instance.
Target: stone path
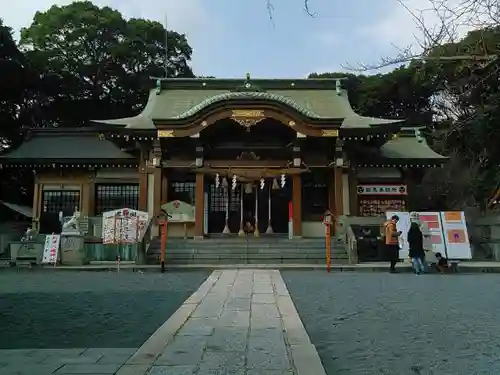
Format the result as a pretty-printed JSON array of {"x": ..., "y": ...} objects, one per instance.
[
  {"x": 63, "y": 361},
  {"x": 240, "y": 322}
]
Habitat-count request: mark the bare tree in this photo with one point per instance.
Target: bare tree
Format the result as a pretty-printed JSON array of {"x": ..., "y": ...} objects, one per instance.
[{"x": 442, "y": 22}]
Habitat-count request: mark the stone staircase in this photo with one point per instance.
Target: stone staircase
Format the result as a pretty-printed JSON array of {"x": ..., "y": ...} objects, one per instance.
[{"x": 274, "y": 249}]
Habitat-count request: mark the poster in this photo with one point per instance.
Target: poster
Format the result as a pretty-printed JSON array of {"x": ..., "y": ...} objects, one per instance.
[
  {"x": 124, "y": 226},
  {"x": 431, "y": 223},
  {"x": 403, "y": 226},
  {"x": 455, "y": 235},
  {"x": 51, "y": 249}
]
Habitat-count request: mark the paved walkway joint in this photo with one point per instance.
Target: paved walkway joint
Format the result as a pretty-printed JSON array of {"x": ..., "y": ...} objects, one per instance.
[{"x": 240, "y": 322}]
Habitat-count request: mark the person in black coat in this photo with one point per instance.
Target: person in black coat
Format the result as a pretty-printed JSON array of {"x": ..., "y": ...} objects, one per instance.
[{"x": 417, "y": 253}]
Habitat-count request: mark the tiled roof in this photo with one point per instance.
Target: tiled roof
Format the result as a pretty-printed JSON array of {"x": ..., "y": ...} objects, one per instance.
[
  {"x": 182, "y": 101},
  {"x": 48, "y": 145}
]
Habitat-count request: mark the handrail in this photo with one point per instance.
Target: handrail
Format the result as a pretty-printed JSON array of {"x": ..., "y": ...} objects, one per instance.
[
  {"x": 352, "y": 246},
  {"x": 144, "y": 241}
]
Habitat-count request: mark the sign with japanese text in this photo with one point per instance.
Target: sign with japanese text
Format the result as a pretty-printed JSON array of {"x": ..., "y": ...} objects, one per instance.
[
  {"x": 51, "y": 249},
  {"x": 123, "y": 226},
  {"x": 382, "y": 190}
]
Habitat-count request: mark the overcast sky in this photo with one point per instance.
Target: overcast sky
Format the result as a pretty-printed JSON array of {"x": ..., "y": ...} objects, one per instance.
[{"x": 232, "y": 37}]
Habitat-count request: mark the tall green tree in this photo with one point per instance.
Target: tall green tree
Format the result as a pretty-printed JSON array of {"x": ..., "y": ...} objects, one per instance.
[
  {"x": 102, "y": 61},
  {"x": 17, "y": 83},
  {"x": 468, "y": 107},
  {"x": 397, "y": 94}
]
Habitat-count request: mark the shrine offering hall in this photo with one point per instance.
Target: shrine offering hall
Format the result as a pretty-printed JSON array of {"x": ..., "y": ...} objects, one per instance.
[{"x": 262, "y": 151}]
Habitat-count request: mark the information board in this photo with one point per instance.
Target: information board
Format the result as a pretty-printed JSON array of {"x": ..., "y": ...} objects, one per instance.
[
  {"x": 123, "y": 226},
  {"x": 51, "y": 249},
  {"x": 455, "y": 235},
  {"x": 431, "y": 223}
]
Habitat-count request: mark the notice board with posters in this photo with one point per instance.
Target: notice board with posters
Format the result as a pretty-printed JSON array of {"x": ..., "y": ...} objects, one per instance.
[
  {"x": 432, "y": 228},
  {"x": 456, "y": 236},
  {"x": 447, "y": 231}
]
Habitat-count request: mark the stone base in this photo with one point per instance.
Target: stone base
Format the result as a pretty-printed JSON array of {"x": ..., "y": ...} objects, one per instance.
[
  {"x": 72, "y": 252},
  {"x": 199, "y": 237}
]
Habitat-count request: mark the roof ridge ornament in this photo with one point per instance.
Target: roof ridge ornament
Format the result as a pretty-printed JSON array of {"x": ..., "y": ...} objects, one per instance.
[
  {"x": 338, "y": 86},
  {"x": 418, "y": 135},
  {"x": 158, "y": 86},
  {"x": 248, "y": 86}
]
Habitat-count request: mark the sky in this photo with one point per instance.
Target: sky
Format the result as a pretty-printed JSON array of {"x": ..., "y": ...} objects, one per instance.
[{"x": 233, "y": 37}]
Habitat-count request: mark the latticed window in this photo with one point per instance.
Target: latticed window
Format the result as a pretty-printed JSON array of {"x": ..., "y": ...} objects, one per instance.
[
  {"x": 217, "y": 198},
  {"x": 314, "y": 195},
  {"x": 110, "y": 197},
  {"x": 55, "y": 201},
  {"x": 182, "y": 191},
  {"x": 235, "y": 202}
]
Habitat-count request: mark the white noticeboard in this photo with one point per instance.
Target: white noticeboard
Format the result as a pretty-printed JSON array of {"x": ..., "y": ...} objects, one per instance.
[
  {"x": 125, "y": 226},
  {"x": 456, "y": 236},
  {"x": 431, "y": 221},
  {"x": 51, "y": 249},
  {"x": 403, "y": 225}
]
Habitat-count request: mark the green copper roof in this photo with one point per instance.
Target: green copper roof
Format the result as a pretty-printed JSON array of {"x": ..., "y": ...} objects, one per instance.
[
  {"x": 410, "y": 145},
  {"x": 176, "y": 99},
  {"x": 55, "y": 145}
]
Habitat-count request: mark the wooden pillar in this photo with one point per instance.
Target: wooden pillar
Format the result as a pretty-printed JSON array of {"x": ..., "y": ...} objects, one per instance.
[
  {"x": 297, "y": 205},
  {"x": 353, "y": 193},
  {"x": 84, "y": 198},
  {"x": 37, "y": 201},
  {"x": 91, "y": 203},
  {"x": 408, "y": 180},
  {"x": 199, "y": 205},
  {"x": 143, "y": 187},
  {"x": 331, "y": 192},
  {"x": 164, "y": 187},
  {"x": 157, "y": 191},
  {"x": 337, "y": 176},
  {"x": 339, "y": 201}
]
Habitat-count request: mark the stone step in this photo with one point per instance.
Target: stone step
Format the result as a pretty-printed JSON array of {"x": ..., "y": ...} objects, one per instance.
[
  {"x": 224, "y": 261},
  {"x": 255, "y": 251}
]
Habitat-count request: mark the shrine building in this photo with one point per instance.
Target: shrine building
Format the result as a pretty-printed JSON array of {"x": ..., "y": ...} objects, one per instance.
[{"x": 237, "y": 150}]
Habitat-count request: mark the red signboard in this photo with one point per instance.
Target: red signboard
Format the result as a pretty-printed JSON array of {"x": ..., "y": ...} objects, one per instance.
[{"x": 290, "y": 211}]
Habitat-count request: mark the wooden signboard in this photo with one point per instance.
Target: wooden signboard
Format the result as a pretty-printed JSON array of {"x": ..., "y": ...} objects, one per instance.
[{"x": 179, "y": 211}]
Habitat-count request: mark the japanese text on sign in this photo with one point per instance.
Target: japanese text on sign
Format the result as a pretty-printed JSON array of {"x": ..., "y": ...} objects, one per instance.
[
  {"x": 51, "y": 249},
  {"x": 382, "y": 190}
]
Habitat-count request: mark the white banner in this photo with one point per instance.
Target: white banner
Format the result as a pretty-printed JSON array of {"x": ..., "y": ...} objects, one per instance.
[{"x": 51, "y": 249}]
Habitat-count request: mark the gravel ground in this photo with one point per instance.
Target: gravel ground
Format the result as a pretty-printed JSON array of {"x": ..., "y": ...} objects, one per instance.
[
  {"x": 58, "y": 309},
  {"x": 400, "y": 324}
]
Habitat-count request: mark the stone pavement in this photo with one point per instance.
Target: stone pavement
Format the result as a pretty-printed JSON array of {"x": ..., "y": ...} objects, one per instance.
[
  {"x": 240, "y": 322},
  {"x": 63, "y": 361},
  {"x": 464, "y": 267}
]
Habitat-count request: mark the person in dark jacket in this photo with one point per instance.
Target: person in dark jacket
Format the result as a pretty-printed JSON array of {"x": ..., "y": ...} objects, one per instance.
[{"x": 417, "y": 253}]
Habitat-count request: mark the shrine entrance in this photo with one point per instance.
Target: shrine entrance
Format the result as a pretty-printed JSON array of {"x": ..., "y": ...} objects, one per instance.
[{"x": 263, "y": 203}]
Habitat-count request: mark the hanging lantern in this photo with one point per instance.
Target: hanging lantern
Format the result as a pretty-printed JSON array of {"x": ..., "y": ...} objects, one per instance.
[
  {"x": 217, "y": 180},
  {"x": 275, "y": 184},
  {"x": 262, "y": 184},
  {"x": 283, "y": 180},
  {"x": 224, "y": 183},
  {"x": 233, "y": 182},
  {"x": 248, "y": 188}
]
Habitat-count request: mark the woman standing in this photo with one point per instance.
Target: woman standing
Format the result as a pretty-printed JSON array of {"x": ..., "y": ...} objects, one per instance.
[{"x": 417, "y": 253}]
